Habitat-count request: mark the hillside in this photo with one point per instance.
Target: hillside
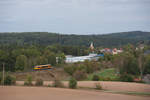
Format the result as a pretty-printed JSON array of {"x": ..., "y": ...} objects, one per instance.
[{"x": 45, "y": 38}]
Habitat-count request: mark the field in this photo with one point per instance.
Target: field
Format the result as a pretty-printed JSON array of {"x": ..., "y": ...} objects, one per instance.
[
  {"x": 86, "y": 90},
  {"x": 43, "y": 93},
  {"x": 107, "y": 73},
  {"x": 106, "y": 85}
]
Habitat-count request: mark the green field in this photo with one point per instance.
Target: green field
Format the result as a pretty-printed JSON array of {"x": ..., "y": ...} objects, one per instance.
[{"x": 106, "y": 74}]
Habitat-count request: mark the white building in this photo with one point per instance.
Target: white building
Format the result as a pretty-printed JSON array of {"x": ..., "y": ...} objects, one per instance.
[
  {"x": 91, "y": 56},
  {"x": 72, "y": 59}
]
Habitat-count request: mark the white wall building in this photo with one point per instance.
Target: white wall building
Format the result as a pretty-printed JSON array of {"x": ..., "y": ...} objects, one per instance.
[{"x": 72, "y": 59}]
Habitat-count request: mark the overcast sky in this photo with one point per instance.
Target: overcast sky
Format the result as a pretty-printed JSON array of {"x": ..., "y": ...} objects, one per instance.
[{"x": 74, "y": 16}]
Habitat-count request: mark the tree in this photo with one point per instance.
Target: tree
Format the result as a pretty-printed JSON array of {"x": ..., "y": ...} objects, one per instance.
[
  {"x": 108, "y": 57},
  {"x": 51, "y": 57},
  {"x": 130, "y": 65},
  {"x": 141, "y": 63},
  {"x": 61, "y": 58},
  {"x": 70, "y": 69},
  {"x": 21, "y": 63},
  {"x": 147, "y": 65},
  {"x": 3, "y": 58},
  {"x": 73, "y": 83},
  {"x": 32, "y": 54},
  {"x": 126, "y": 63},
  {"x": 89, "y": 67},
  {"x": 41, "y": 60}
]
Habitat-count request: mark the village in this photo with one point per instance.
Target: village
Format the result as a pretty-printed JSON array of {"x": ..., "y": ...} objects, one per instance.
[{"x": 92, "y": 55}]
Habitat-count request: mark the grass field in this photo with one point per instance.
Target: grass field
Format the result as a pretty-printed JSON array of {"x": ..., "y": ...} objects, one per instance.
[
  {"x": 130, "y": 93},
  {"x": 105, "y": 74}
]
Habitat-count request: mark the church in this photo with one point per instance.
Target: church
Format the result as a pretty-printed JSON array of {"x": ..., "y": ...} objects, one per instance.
[{"x": 91, "y": 56}]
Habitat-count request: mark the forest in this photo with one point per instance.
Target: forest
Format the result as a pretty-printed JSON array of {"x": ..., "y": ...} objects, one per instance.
[
  {"x": 25, "y": 57},
  {"x": 45, "y": 38}
]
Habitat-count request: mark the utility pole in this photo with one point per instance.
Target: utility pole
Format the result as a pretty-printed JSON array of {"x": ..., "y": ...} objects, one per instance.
[{"x": 3, "y": 73}]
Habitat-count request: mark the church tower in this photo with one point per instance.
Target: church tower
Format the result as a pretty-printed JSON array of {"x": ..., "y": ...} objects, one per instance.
[{"x": 91, "y": 47}]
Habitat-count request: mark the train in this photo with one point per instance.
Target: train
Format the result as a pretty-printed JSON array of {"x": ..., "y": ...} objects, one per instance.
[{"x": 43, "y": 67}]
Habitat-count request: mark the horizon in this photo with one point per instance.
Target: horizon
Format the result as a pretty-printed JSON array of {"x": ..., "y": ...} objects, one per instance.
[
  {"x": 72, "y": 33},
  {"x": 74, "y": 16}
]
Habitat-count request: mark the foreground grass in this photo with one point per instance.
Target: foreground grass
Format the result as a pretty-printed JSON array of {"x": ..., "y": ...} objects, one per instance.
[
  {"x": 95, "y": 89},
  {"x": 130, "y": 93},
  {"x": 116, "y": 92},
  {"x": 107, "y": 73}
]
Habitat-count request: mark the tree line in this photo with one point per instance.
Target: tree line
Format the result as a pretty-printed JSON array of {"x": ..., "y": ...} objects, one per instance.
[
  {"x": 24, "y": 58},
  {"x": 45, "y": 38}
]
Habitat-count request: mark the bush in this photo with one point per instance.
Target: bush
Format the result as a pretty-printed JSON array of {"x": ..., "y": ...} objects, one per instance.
[
  {"x": 13, "y": 82},
  {"x": 49, "y": 85},
  {"x": 98, "y": 86},
  {"x": 89, "y": 67},
  {"x": 80, "y": 75},
  {"x": 102, "y": 78},
  {"x": 57, "y": 83},
  {"x": 39, "y": 82},
  {"x": 81, "y": 67},
  {"x": 107, "y": 79},
  {"x": 28, "y": 82},
  {"x": 96, "y": 66},
  {"x": 9, "y": 80},
  {"x": 95, "y": 78},
  {"x": 70, "y": 69},
  {"x": 126, "y": 78},
  {"x": 73, "y": 83}
]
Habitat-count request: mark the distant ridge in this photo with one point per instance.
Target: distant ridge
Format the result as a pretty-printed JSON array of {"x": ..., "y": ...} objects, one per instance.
[{"x": 46, "y": 38}]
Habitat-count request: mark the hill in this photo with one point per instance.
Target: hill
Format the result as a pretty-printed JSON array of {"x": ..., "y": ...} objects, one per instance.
[{"x": 45, "y": 38}]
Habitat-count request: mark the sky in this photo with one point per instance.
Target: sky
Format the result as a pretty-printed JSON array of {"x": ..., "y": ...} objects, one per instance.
[{"x": 74, "y": 16}]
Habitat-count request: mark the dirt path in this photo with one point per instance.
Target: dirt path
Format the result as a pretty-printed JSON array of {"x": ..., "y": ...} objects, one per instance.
[
  {"x": 113, "y": 86},
  {"x": 43, "y": 93}
]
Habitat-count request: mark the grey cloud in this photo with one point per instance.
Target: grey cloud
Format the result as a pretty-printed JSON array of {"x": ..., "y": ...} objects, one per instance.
[{"x": 74, "y": 16}]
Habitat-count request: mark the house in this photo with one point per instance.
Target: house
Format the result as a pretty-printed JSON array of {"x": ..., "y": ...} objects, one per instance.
[
  {"x": 111, "y": 51},
  {"x": 116, "y": 51}
]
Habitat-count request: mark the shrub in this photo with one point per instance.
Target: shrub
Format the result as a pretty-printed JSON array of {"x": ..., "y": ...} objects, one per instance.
[
  {"x": 70, "y": 69},
  {"x": 57, "y": 83},
  {"x": 28, "y": 82},
  {"x": 39, "y": 82},
  {"x": 96, "y": 66},
  {"x": 9, "y": 80},
  {"x": 98, "y": 86},
  {"x": 80, "y": 75},
  {"x": 13, "y": 82},
  {"x": 49, "y": 85},
  {"x": 81, "y": 67},
  {"x": 73, "y": 83},
  {"x": 101, "y": 78},
  {"x": 89, "y": 67},
  {"x": 126, "y": 78},
  {"x": 95, "y": 78},
  {"x": 106, "y": 78}
]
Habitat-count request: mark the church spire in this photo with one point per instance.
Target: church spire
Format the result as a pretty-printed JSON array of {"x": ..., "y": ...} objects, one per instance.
[{"x": 92, "y": 47}]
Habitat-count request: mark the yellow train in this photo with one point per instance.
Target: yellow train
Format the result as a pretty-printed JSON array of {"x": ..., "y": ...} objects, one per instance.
[{"x": 42, "y": 67}]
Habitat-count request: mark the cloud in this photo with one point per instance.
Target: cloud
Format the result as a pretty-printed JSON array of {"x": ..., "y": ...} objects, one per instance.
[{"x": 74, "y": 16}]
